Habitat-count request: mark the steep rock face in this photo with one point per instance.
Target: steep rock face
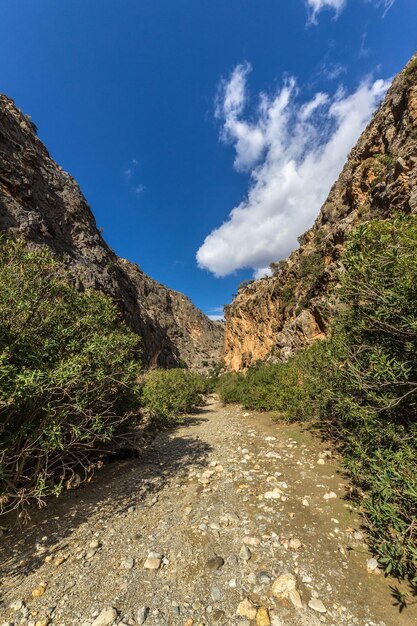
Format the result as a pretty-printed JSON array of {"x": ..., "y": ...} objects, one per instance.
[
  {"x": 274, "y": 317},
  {"x": 44, "y": 205}
]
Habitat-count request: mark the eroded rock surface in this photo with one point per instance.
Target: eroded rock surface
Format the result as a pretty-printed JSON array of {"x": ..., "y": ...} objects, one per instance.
[
  {"x": 274, "y": 317},
  {"x": 44, "y": 205}
]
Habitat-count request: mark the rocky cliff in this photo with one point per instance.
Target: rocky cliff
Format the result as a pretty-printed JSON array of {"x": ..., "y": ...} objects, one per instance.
[
  {"x": 44, "y": 205},
  {"x": 274, "y": 317}
]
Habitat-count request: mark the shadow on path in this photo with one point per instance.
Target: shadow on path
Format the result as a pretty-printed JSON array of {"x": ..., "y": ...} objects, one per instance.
[{"x": 119, "y": 485}]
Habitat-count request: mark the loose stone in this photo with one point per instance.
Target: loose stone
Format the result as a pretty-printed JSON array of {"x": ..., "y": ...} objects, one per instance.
[
  {"x": 247, "y": 609},
  {"x": 371, "y": 565},
  {"x": 262, "y": 617},
  {"x": 251, "y": 541},
  {"x": 141, "y": 615},
  {"x": 39, "y": 591},
  {"x": 153, "y": 561},
  {"x": 106, "y": 617},
  {"x": 216, "y": 594},
  {"x": 294, "y": 544},
  {"x": 245, "y": 554},
  {"x": 283, "y": 585},
  {"x": 317, "y": 605}
]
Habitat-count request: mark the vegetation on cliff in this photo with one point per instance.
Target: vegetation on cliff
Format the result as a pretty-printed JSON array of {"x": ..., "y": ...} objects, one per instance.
[{"x": 361, "y": 384}]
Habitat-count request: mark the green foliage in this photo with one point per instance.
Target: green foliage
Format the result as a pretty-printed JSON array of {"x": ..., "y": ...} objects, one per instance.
[
  {"x": 245, "y": 283},
  {"x": 361, "y": 385},
  {"x": 277, "y": 267},
  {"x": 288, "y": 388},
  {"x": 412, "y": 66},
  {"x": 374, "y": 383},
  {"x": 169, "y": 394},
  {"x": 310, "y": 267},
  {"x": 68, "y": 370}
]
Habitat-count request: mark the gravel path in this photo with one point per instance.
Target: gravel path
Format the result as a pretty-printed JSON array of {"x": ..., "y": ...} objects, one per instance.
[{"x": 229, "y": 519}]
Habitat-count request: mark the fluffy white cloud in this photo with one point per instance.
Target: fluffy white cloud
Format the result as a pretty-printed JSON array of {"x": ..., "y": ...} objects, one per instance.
[
  {"x": 315, "y": 6},
  {"x": 262, "y": 272},
  {"x": 294, "y": 152}
]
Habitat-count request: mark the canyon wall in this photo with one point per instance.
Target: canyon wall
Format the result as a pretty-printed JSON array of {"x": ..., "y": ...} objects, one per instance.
[
  {"x": 42, "y": 204},
  {"x": 272, "y": 318}
]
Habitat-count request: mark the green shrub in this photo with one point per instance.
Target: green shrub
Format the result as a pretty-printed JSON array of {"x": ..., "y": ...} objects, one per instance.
[
  {"x": 169, "y": 394},
  {"x": 229, "y": 386},
  {"x": 373, "y": 384},
  {"x": 68, "y": 370},
  {"x": 289, "y": 388},
  {"x": 362, "y": 385}
]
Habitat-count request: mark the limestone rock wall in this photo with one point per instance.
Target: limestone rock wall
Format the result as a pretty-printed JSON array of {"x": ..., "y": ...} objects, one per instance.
[
  {"x": 44, "y": 205},
  {"x": 274, "y": 317}
]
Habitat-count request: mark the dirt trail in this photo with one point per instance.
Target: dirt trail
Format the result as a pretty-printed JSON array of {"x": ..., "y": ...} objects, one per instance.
[{"x": 221, "y": 507}]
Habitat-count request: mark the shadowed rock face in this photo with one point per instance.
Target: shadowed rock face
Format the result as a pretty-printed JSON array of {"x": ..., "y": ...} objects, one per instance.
[
  {"x": 44, "y": 205},
  {"x": 274, "y": 317}
]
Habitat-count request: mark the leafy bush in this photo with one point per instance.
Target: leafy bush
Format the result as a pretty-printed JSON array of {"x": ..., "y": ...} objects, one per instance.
[
  {"x": 290, "y": 388},
  {"x": 68, "y": 370},
  {"x": 362, "y": 385},
  {"x": 230, "y": 387},
  {"x": 169, "y": 394},
  {"x": 374, "y": 384}
]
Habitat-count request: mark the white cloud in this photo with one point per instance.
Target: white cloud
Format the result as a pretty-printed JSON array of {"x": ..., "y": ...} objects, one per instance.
[
  {"x": 262, "y": 272},
  {"x": 230, "y": 103},
  {"x": 130, "y": 174},
  {"x": 216, "y": 318},
  {"x": 315, "y": 6},
  {"x": 139, "y": 189},
  {"x": 304, "y": 146},
  {"x": 383, "y": 4},
  {"x": 331, "y": 71}
]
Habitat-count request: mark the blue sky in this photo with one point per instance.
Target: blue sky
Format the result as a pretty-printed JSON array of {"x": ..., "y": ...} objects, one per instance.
[{"x": 172, "y": 113}]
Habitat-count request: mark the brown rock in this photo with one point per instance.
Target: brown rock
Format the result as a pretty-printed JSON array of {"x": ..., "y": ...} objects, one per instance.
[
  {"x": 38, "y": 591},
  {"x": 152, "y": 563},
  {"x": 283, "y": 585},
  {"x": 42, "y": 204},
  {"x": 274, "y": 317},
  {"x": 262, "y": 617}
]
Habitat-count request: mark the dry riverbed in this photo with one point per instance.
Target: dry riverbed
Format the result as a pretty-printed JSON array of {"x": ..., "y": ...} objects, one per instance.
[{"x": 229, "y": 519}]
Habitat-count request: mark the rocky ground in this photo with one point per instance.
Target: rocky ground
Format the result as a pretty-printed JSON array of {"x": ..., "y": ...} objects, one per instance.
[{"x": 229, "y": 519}]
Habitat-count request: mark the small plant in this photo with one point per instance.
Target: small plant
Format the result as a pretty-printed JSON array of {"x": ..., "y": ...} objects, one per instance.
[
  {"x": 277, "y": 267},
  {"x": 310, "y": 267},
  {"x": 245, "y": 283}
]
